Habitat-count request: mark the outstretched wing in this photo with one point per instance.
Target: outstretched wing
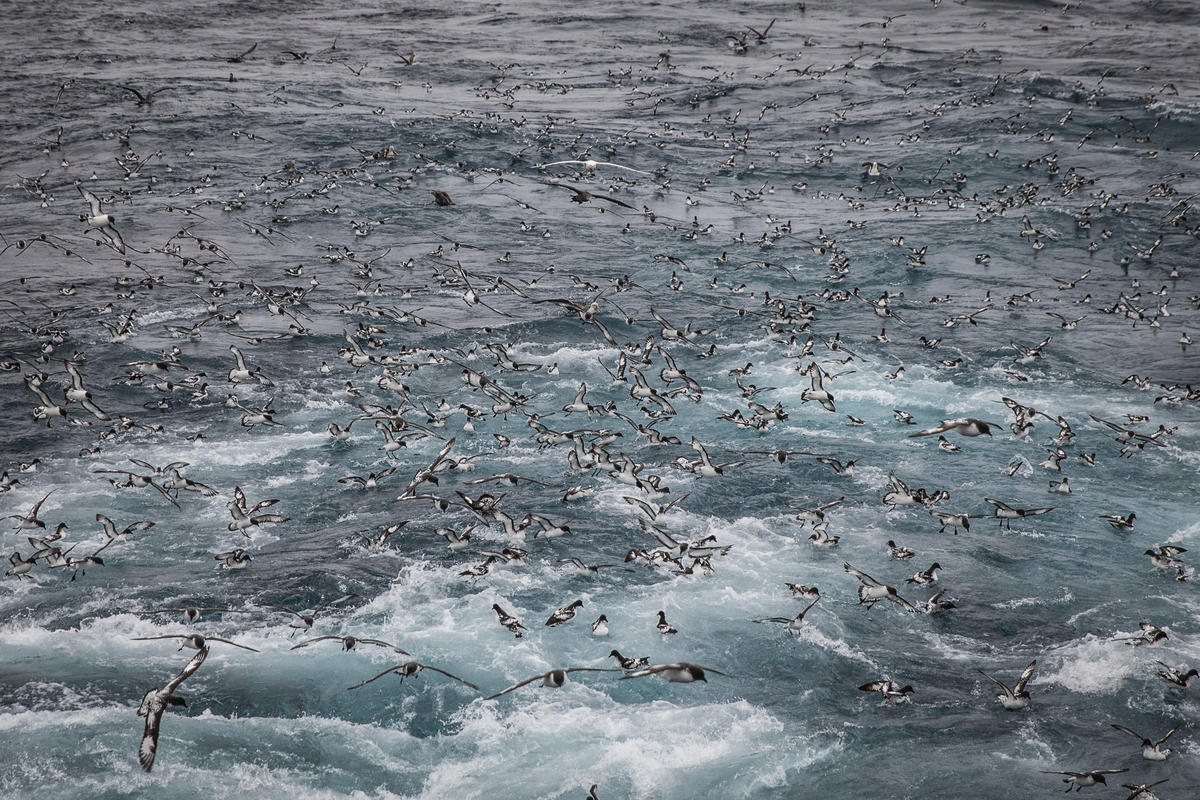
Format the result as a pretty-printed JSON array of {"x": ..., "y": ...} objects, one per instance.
[
  {"x": 465, "y": 683},
  {"x": 1025, "y": 676},
  {"x": 866, "y": 579},
  {"x": 515, "y": 686}
]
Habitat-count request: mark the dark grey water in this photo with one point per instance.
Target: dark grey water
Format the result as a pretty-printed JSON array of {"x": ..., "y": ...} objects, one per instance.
[{"x": 1036, "y": 175}]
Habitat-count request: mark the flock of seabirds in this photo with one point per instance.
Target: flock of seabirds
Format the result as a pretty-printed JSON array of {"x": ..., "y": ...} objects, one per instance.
[{"x": 360, "y": 301}]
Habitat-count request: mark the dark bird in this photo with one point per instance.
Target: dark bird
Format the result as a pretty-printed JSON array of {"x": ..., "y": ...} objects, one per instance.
[
  {"x": 147, "y": 98},
  {"x": 240, "y": 57}
]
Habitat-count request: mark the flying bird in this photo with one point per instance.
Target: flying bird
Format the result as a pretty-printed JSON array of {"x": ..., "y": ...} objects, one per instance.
[{"x": 155, "y": 702}]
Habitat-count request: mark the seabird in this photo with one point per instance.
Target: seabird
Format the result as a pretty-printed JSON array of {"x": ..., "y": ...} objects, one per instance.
[
  {"x": 871, "y": 591},
  {"x": 1151, "y": 634},
  {"x": 629, "y": 663},
  {"x": 304, "y": 619},
  {"x": 350, "y": 642},
  {"x": 412, "y": 669},
  {"x": 30, "y": 520},
  {"x": 1078, "y": 780},
  {"x": 510, "y": 622},
  {"x": 965, "y": 426},
  {"x": 791, "y": 624},
  {"x": 1016, "y": 698},
  {"x": 101, "y": 221},
  {"x": 679, "y": 672},
  {"x": 891, "y": 691},
  {"x": 564, "y": 614},
  {"x": 1165, "y": 556},
  {"x": 1151, "y": 750},
  {"x": 555, "y": 678},
  {"x": 1175, "y": 675},
  {"x": 590, "y": 165},
  {"x": 194, "y": 641},
  {"x": 155, "y": 702},
  {"x": 935, "y": 604},
  {"x": 926, "y": 575},
  {"x": 1141, "y": 791},
  {"x": 1120, "y": 522},
  {"x": 1006, "y": 513}
]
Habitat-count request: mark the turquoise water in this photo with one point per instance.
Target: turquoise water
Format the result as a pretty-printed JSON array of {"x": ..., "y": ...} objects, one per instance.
[{"x": 300, "y": 195}]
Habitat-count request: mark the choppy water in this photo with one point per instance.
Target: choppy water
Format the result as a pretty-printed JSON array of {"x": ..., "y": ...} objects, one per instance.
[{"x": 318, "y": 152}]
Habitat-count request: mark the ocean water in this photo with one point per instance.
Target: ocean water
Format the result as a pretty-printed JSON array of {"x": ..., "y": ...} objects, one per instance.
[{"x": 776, "y": 185}]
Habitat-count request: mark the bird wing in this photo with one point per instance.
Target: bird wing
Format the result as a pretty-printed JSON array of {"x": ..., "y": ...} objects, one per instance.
[
  {"x": 1131, "y": 732},
  {"x": 946, "y": 425},
  {"x": 468, "y": 683},
  {"x": 663, "y": 537},
  {"x": 91, "y": 198},
  {"x": 1025, "y": 676},
  {"x": 307, "y": 642},
  {"x": 374, "y": 678},
  {"x": 651, "y": 670},
  {"x": 110, "y": 528},
  {"x": 235, "y": 644},
  {"x": 999, "y": 683},
  {"x": 187, "y": 670},
  {"x": 114, "y": 237},
  {"x": 866, "y": 579},
  {"x": 149, "y": 746},
  {"x": 515, "y": 686},
  {"x": 334, "y": 602},
  {"x": 382, "y": 643},
  {"x": 714, "y": 671}
]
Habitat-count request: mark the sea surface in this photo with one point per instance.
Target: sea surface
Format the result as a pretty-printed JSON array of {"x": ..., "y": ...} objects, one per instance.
[{"x": 810, "y": 231}]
